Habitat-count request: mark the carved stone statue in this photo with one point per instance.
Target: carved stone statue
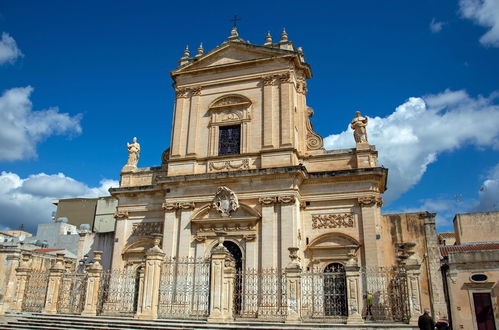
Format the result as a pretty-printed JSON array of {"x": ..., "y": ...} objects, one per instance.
[
  {"x": 358, "y": 125},
  {"x": 225, "y": 201},
  {"x": 133, "y": 153}
]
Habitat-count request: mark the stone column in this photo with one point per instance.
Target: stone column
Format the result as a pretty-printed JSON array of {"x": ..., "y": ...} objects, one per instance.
[
  {"x": 22, "y": 275},
  {"x": 413, "y": 272},
  {"x": 222, "y": 284},
  {"x": 193, "y": 122},
  {"x": 286, "y": 110},
  {"x": 293, "y": 285},
  {"x": 370, "y": 212},
  {"x": 55, "y": 277},
  {"x": 10, "y": 289},
  {"x": 149, "y": 299},
  {"x": 94, "y": 273},
  {"x": 353, "y": 293},
  {"x": 270, "y": 119}
]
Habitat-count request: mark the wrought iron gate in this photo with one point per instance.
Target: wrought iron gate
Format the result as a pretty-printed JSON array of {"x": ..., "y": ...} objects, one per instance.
[
  {"x": 35, "y": 291},
  {"x": 72, "y": 293},
  {"x": 324, "y": 293},
  {"x": 184, "y": 290},
  {"x": 119, "y": 290},
  {"x": 389, "y": 295},
  {"x": 260, "y": 294}
]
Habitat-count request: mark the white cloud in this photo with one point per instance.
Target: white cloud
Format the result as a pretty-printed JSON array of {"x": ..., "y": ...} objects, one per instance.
[
  {"x": 489, "y": 193},
  {"x": 412, "y": 137},
  {"x": 8, "y": 49},
  {"x": 28, "y": 201},
  {"x": 435, "y": 26},
  {"x": 21, "y": 128},
  {"x": 486, "y": 14}
]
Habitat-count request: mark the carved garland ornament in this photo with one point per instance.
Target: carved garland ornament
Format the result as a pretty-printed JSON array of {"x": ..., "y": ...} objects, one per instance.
[
  {"x": 229, "y": 165},
  {"x": 370, "y": 200},
  {"x": 283, "y": 199},
  {"x": 167, "y": 206},
  {"x": 146, "y": 228},
  {"x": 335, "y": 220}
]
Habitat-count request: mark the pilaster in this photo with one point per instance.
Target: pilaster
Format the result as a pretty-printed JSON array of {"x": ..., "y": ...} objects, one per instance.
[
  {"x": 12, "y": 262},
  {"x": 22, "y": 275},
  {"x": 169, "y": 229},
  {"x": 181, "y": 123},
  {"x": 193, "y": 122},
  {"x": 149, "y": 299},
  {"x": 94, "y": 273},
  {"x": 222, "y": 284},
  {"x": 370, "y": 214},
  {"x": 270, "y": 118},
  {"x": 289, "y": 224},
  {"x": 269, "y": 234},
  {"x": 413, "y": 272},
  {"x": 286, "y": 110},
  {"x": 55, "y": 277},
  {"x": 353, "y": 294}
]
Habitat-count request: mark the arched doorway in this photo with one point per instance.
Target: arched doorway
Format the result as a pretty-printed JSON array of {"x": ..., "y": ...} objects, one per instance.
[
  {"x": 335, "y": 290},
  {"x": 237, "y": 254}
]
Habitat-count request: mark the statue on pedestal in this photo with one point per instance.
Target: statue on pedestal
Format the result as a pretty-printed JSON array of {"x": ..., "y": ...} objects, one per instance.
[
  {"x": 133, "y": 155},
  {"x": 358, "y": 125}
]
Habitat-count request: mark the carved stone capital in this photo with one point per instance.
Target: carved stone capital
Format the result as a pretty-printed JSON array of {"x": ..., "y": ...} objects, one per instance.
[
  {"x": 186, "y": 205},
  {"x": 268, "y": 80},
  {"x": 169, "y": 206},
  {"x": 121, "y": 214},
  {"x": 196, "y": 91},
  {"x": 286, "y": 199},
  {"x": 267, "y": 200},
  {"x": 285, "y": 78},
  {"x": 200, "y": 238},
  {"x": 370, "y": 200},
  {"x": 182, "y": 92}
]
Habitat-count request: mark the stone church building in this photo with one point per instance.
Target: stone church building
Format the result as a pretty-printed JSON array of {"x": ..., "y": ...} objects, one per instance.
[{"x": 249, "y": 216}]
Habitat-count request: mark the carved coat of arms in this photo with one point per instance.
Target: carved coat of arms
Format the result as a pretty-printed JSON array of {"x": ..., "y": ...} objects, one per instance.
[{"x": 225, "y": 201}]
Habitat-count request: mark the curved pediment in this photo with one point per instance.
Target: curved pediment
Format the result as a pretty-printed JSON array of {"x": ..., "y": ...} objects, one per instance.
[
  {"x": 231, "y": 100},
  {"x": 334, "y": 241},
  {"x": 140, "y": 245},
  {"x": 207, "y": 212}
]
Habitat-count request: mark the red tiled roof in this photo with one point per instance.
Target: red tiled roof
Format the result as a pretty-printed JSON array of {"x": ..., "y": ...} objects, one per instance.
[
  {"x": 444, "y": 250},
  {"x": 46, "y": 250}
]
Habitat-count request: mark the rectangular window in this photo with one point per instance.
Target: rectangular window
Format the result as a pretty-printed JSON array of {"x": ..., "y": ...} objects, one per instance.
[{"x": 229, "y": 140}]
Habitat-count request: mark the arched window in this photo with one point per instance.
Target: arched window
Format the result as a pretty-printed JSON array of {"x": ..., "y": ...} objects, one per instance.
[{"x": 335, "y": 290}]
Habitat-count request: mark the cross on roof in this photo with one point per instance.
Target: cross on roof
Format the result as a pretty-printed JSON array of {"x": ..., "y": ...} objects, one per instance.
[{"x": 235, "y": 19}]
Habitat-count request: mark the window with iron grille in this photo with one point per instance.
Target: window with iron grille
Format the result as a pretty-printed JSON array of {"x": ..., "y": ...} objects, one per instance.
[{"x": 229, "y": 140}]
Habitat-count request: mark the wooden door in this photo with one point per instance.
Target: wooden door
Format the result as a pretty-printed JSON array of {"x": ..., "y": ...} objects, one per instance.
[{"x": 483, "y": 311}]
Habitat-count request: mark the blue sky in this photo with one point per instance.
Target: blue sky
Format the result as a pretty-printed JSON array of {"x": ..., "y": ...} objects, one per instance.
[{"x": 79, "y": 79}]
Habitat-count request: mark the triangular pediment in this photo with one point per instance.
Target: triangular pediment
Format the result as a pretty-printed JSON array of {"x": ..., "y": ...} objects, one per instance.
[{"x": 232, "y": 53}]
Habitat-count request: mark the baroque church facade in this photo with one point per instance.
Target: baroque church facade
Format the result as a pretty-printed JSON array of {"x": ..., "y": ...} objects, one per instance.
[{"x": 247, "y": 176}]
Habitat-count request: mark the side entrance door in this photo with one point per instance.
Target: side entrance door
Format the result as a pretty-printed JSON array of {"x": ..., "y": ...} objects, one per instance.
[{"x": 483, "y": 311}]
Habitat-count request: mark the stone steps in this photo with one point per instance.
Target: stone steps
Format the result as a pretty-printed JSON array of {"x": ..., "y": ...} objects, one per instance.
[{"x": 64, "y": 321}]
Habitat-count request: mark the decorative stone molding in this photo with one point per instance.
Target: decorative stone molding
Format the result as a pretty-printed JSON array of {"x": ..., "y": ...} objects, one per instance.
[
  {"x": 146, "y": 228},
  {"x": 301, "y": 86},
  {"x": 239, "y": 164},
  {"x": 225, "y": 201},
  {"x": 230, "y": 101},
  {"x": 225, "y": 227},
  {"x": 121, "y": 214},
  {"x": 169, "y": 206},
  {"x": 334, "y": 220},
  {"x": 314, "y": 140},
  {"x": 370, "y": 200},
  {"x": 200, "y": 238},
  {"x": 249, "y": 237},
  {"x": 186, "y": 205},
  {"x": 285, "y": 78}
]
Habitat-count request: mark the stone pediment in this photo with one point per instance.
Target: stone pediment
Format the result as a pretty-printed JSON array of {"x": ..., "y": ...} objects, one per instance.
[{"x": 231, "y": 53}]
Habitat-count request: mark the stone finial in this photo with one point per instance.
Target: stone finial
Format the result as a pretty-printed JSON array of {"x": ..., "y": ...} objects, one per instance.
[
  {"x": 358, "y": 125},
  {"x": 200, "y": 50},
  {"x": 59, "y": 263},
  {"x": 284, "y": 35},
  {"x": 187, "y": 53},
  {"x": 268, "y": 39}
]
